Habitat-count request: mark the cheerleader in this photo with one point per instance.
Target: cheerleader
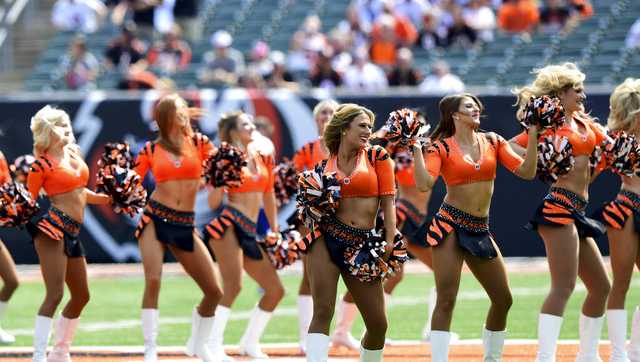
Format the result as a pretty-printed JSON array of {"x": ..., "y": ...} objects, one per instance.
[
  {"x": 467, "y": 159},
  {"x": 305, "y": 159},
  {"x": 560, "y": 220},
  {"x": 7, "y": 266},
  {"x": 61, "y": 172},
  {"x": 622, "y": 218},
  {"x": 175, "y": 159},
  {"x": 232, "y": 237},
  {"x": 366, "y": 181}
]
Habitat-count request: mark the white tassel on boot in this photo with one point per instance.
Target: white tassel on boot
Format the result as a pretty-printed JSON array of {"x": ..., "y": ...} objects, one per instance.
[
  {"x": 342, "y": 334},
  {"x": 493, "y": 342},
  {"x": 548, "y": 332},
  {"x": 368, "y": 355},
  {"x": 250, "y": 341},
  {"x": 317, "y": 347},
  {"x": 41, "y": 338},
  {"x": 590, "y": 330},
  {"x": 216, "y": 342},
  {"x": 634, "y": 341},
  {"x": 200, "y": 333},
  {"x": 5, "y": 338},
  {"x": 431, "y": 306},
  {"x": 617, "y": 327},
  {"x": 440, "y": 346},
  {"x": 150, "y": 322},
  {"x": 305, "y": 313},
  {"x": 65, "y": 329}
]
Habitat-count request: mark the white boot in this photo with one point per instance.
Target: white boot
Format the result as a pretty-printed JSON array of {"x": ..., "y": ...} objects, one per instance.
[
  {"x": 216, "y": 342},
  {"x": 440, "y": 346},
  {"x": 250, "y": 341},
  {"x": 305, "y": 313},
  {"x": 493, "y": 342},
  {"x": 548, "y": 332},
  {"x": 342, "y": 335},
  {"x": 5, "y": 338},
  {"x": 367, "y": 355},
  {"x": 41, "y": 338},
  {"x": 617, "y": 327},
  {"x": 590, "y": 330},
  {"x": 65, "y": 329},
  {"x": 431, "y": 306},
  {"x": 317, "y": 347},
  {"x": 634, "y": 341},
  {"x": 200, "y": 333},
  {"x": 150, "y": 321}
]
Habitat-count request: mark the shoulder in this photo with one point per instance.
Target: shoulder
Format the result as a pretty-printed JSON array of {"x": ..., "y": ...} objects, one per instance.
[
  {"x": 376, "y": 153},
  {"x": 42, "y": 164},
  {"x": 440, "y": 147}
]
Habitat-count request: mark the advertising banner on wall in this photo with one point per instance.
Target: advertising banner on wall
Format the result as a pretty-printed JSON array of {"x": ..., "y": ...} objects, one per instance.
[{"x": 99, "y": 118}]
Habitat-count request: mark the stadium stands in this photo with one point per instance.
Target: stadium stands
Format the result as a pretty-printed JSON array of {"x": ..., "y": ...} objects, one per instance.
[{"x": 597, "y": 44}]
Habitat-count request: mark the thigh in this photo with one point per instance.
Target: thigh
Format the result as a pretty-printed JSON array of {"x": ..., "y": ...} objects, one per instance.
[
  {"x": 7, "y": 265},
  {"x": 425, "y": 255},
  {"x": 323, "y": 273},
  {"x": 76, "y": 278},
  {"x": 368, "y": 297},
  {"x": 623, "y": 247},
  {"x": 561, "y": 245},
  {"x": 263, "y": 272},
  {"x": 491, "y": 274},
  {"x": 591, "y": 267},
  {"x": 447, "y": 265},
  {"x": 151, "y": 252},
  {"x": 228, "y": 256},
  {"x": 197, "y": 263},
  {"x": 53, "y": 261}
]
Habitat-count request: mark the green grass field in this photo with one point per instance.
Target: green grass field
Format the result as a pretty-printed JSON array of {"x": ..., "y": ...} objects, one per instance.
[{"x": 112, "y": 316}]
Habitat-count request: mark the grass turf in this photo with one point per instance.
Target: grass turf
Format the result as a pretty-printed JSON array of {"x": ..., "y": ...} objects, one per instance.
[{"x": 114, "y": 310}]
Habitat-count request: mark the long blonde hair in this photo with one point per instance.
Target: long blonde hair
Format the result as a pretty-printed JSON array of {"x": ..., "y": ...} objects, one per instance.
[
  {"x": 341, "y": 119},
  {"x": 550, "y": 80},
  {"x": 323, "y": 104},
  {"x": 165, "y": 115},
  {"x": 625, "y": 105},
  {"x": 44, "y": 123}
]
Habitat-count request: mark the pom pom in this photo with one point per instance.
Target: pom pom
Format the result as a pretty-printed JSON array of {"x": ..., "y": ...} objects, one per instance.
[
  {"x": 365, "y": 261},
  {"x": 622, "y": 153},
  {"x": 318, "y": 196},
  {"x": 403, "y": 159},
  {"x": 282, "y": 248},
  {"x": 544, "y": 111},
  {"x": 224, "y": 166},
  {"x": 404, "y": 127},
  {"x": 286, "y": 182},
  {"x": 117, "y": 179},
  {"x": 555, "y": 158},
  {"x": 20, "y": 168},
  {"x": 17, "y": 206},
  {"x": 399, "y": 253}
]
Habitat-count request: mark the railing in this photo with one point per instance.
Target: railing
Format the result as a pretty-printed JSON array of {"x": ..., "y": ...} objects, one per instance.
[{"x": 10, "y": 12}]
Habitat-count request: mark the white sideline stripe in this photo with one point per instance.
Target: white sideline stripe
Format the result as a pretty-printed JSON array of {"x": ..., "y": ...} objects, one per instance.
[{"x": 245, "y": 314}]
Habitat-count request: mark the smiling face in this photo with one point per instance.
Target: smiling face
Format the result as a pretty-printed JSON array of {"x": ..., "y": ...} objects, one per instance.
[
  {"x": 468, "y": 113},
  {"x": 244, "y": 129},
  {"x": 359, "y": 131},
  {"x": 573, "y": 98}
]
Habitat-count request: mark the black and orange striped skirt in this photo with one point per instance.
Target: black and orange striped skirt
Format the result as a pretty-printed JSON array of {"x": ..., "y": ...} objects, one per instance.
[
  {"x": 244, "y": 228},
  {"x": 414, "y": 225},
  {"x": 562, "y": 207},
  {"x": 172, "y": 227},
  {"x": 472, "y": 232},
  {"x": 616, "y": 213},
  {"x": 58, "y": 226}
]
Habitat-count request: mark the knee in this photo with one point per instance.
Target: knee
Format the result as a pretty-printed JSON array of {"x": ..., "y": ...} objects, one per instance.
[
  {"x": 563, "y": 290},
  {"x": 10, "y": 285},
  {"x": 503, "y": 302},
  {"x": 214, "y": 293},
  {"x": 54, "y": 298},
  {"x": 376, "y": 325},
  {"x": 152, "y": 284},
  {"x": 81, "y": 298},
  {"x": 322, "y": 312},
  {"x": 276, "y": 293},
  {"x": 232, "y": 290},
  {"x": 446, "y": 301},
  {"x": 601, "y": 289}
]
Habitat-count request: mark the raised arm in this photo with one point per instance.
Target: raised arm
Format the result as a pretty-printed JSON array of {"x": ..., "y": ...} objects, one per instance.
[
  {"x": 509, "y": 157},
  {"x": 424, "y": 178}
]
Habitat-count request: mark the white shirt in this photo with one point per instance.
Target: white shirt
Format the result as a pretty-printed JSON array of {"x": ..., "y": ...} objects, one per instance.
[
  {"x": 369, "y": 77},
  {"x": 633, "y": 37},
  {"x": 448, "y": 84},
  {"x": 80, "y": 15}
]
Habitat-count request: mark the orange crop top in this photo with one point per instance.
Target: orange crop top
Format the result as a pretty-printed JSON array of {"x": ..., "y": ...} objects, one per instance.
[
  {"x": 166, "y": 167},
  {"x": 405, "y": 170},
  {"x": 582, "y": 143},
  {"x": 260, "y": 181},
  {"x": 445, "y": 157},
  {"x": 371, "y": 176},
  {"x": 55, "y": 179},
  {"x": 309, "y": 156},
  {"x": 5, "y": 175}
]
